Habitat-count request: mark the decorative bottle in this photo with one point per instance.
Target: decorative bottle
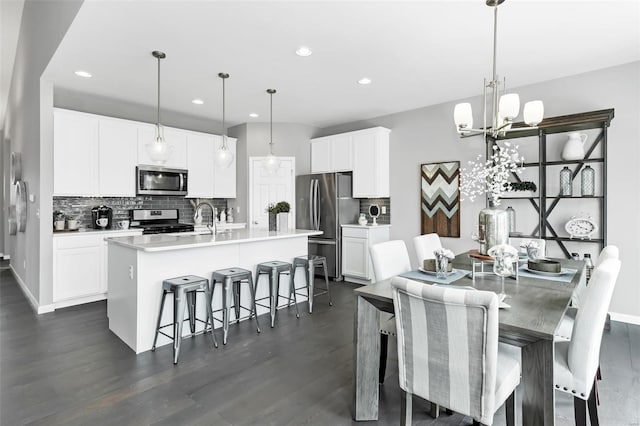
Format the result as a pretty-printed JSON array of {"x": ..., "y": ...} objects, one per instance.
[
  {"x": 223, "y": 216},
  {"x": 230, "y": 215},
  {"x": 587, "y": 181},
  {"x": 575, "y": 256},
  {"x": 589, "y": 266},
  {"x": 512, "y": 219},
  {"x": 566, "y": 182}
]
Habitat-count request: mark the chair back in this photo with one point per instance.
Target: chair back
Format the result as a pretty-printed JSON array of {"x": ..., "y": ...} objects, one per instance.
[
  {"x": 425, "y": 245},
  {"x": 584, "y": 347},
  {"x": 389, "y": 259},
  {"x": 609, "y": 252},
  {"x": 448, "y": 345}
]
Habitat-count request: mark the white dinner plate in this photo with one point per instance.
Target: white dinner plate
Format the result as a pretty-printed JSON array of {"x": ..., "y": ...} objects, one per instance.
[
  {"x": 563, "y": 271},
  {"x": 434, "y": 272}
]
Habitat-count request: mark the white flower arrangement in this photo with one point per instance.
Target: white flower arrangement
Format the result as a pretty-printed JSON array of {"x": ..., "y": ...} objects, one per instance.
[
  {"x": 443, "y": 252},
  {"x": 492, "y": 176},
  {"x": 502, "y": 251},
  {"x": 529, "y": 244}
]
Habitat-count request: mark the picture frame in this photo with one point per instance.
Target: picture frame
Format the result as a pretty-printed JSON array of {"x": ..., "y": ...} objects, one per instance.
[{"x": 440, "y": 198}]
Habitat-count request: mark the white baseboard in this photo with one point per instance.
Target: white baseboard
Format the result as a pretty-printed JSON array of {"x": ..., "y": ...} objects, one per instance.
[
  {"x": 79, "y": 300},
  {"x": 629, "y": 319},
  {"x": 39, "y": 309}
]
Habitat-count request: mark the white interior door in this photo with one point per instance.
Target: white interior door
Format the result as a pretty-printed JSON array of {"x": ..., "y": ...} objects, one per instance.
[{"x": 265, "y": 188}]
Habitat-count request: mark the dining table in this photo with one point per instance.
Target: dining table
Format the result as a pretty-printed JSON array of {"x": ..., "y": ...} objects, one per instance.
[{"x": 536, "y": 303}]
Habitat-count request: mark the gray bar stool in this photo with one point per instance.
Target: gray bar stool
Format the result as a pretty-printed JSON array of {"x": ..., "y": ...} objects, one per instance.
[
  {"x": 274, "y": 268},
  {"x": 311, "y": 262},
  {"x": 185, "y": 290},
  {"x": 233, "y": 277}
]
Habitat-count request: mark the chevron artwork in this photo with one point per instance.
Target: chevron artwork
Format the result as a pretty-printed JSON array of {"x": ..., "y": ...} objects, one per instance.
[{"x": 440, "y": 198}]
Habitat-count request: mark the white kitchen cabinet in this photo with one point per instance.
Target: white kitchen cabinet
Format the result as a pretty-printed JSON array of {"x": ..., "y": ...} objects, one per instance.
[
  {"x": 80, "y": 266},
  {"x": 356, "y": 260},
  {"x": 332, "y": 154},
  {"x": 75, "y": 153},
  {"x": 224, "y": 180},
  {"x": 118, "y": 148},
  {"x": 371, "y": 163},
  {"x": 176, "y": 139},
  {"x": 200, "y": 163}
]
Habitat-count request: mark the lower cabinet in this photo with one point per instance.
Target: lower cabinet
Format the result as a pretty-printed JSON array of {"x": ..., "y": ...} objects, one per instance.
[
  {"x": 80, "y": 267},
  {"x": 356, "y": 260}
]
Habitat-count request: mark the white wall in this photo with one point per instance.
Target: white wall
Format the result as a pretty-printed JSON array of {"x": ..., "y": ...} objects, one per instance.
[
  {"x": 290, "y": 140},
  {"x": 428, "y": 135},
  {"x": 43, "y": 26}
]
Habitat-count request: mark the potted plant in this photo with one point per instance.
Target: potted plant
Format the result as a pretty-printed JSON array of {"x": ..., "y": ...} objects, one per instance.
[{"x": 278, "y": 216}]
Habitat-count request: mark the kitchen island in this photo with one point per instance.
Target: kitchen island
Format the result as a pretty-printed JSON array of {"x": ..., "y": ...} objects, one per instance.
[{"x": 139, "y": 264}]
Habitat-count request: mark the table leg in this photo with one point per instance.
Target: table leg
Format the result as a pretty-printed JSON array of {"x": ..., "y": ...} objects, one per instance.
[
  {"x": 538, "y": 397},
  {"x": 366, "y": 360}
]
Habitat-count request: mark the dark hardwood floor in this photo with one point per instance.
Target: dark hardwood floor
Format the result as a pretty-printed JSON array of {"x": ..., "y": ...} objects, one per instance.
[{"x": 67, "y": 368}]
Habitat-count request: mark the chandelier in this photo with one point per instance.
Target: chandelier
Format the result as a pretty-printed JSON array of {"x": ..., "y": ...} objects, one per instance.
[{"x": 504, "y": 108}]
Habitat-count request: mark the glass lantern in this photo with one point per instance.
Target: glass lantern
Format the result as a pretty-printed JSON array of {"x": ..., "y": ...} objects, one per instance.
[
  {"x": 566, "y": 182},
  {"x": 588, "y": 182}
]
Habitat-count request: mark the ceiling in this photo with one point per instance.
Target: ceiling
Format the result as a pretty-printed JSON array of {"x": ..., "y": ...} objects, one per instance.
[{"x": 417, "y": 53}]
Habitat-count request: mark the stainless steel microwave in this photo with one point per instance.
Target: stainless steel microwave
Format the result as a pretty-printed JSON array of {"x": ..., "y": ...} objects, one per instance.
[{"x": 152, "y": 180}]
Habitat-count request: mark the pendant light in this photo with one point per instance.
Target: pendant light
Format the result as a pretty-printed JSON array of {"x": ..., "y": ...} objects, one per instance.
[
  {"x": 224, "y": 156},
  {"x": 158, "y": 151},
  {"x": 505, "y": 108},
  {"x": 271, "y": 162}
]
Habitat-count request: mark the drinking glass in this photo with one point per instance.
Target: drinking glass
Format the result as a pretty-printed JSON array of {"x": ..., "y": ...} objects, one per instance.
[
  {"x": 503, "y": 267},
  {"x": 442, "y": 264}
]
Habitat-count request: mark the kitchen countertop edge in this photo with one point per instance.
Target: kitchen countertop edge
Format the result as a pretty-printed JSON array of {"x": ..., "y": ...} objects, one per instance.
[{"x": 368, "y": 226}]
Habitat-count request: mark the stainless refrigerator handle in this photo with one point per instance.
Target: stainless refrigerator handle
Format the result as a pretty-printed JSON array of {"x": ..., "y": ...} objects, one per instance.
[
  {"x": 318, "y": 217},
  {"x": 316, "y": 206},
  {"x": 182, "y": 188},
  {"x": 311, "y": 223},
  {"x": 322, "y": 243}
]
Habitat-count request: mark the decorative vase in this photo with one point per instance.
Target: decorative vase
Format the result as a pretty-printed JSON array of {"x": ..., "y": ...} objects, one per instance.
[
  {"x": 574, "y": 147},
  {"x": 362, "y": 220},
  {"x": 272, "y": 222},
  {"x": 566, "y": 182},
  {"x": 512, "y": 219},
  {"x": 493, "y": 228},
  {"x": 197, "y": 217},
  {"x": 587, "y": 181},
  {"x": 283, "y": 222}
]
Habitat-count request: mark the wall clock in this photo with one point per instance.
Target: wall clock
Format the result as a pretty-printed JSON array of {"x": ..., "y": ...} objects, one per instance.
[
  {"x": 16, "y": 167},
  {"x": 581, "y": 226},
  {"x": 21, "y": 205}
]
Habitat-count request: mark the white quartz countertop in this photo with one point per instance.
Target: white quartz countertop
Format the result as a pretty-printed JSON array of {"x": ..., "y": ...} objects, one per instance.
[
  {"x": 164, "y": 242},
  {"x": 90, "y": 231},
  {"x": 355, "y": 225}
]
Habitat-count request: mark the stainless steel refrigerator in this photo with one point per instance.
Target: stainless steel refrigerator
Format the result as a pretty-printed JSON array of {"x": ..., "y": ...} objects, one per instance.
[{"x": 324, "y": 202}]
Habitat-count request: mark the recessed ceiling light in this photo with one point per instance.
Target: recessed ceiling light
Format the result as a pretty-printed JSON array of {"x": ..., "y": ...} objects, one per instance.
[
  {"x": 254, "y": 115},
  {"x": 197, "y": 101},
  {"x": 84, "y": 74},
  {"x": 303, "y": 51},
  {"x": 364, "y": 81}
]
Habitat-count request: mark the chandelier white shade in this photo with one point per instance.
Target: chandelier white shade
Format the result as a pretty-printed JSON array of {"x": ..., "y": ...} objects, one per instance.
[
  {"x": 223, "y": 157},
  {"x": 271, "y": 163},
  {"x": 505, "y": 108},
  {"x": 158, "y": 150}
]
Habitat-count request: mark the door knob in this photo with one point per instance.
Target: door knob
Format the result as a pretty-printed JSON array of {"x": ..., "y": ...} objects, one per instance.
[{"x": 255, "y": 222}]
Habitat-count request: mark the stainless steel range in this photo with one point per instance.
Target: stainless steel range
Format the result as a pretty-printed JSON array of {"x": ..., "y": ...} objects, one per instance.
[{"x": 158, "y": 221}]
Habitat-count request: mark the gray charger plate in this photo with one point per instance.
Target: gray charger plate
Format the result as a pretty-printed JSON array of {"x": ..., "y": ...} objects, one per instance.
[{"x": 563, "y": 271}]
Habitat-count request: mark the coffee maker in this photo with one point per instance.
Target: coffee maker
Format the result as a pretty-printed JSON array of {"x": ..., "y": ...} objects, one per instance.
[{"x": 102, "y": 217}]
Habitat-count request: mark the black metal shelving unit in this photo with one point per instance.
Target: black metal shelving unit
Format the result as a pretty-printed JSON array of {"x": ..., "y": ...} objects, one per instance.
[{"x": 563, "y": 124}]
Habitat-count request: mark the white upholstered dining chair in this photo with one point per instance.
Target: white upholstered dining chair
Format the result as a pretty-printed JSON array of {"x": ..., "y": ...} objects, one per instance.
[
  {"x": 448, "y": 351},
  {"x": 389, "y": 259},
  {"x": 425, "y": 245},
  {"x": 577, "y": 360}
]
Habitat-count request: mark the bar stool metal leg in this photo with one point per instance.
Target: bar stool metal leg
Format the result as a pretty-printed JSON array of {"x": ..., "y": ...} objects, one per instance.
[
  {"x": 326, "y": 280},
  {"x": 208, "y": 297},
  {"x": 191, "y": 306},
  {"x": 274, "y": 291},
  {"x": 178, "y": 316},
  {"x": 292, "y": 291},
  {"x": 252, "y": 289},
  {"x": 225, "y": 308},
  {"x": 162, "y": 299},
  {"x": 310, "y": 283},
  {"x": 236, "y": 298}
]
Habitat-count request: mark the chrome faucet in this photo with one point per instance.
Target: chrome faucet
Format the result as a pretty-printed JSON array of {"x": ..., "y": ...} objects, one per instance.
[{"x": 213, "y": 228}]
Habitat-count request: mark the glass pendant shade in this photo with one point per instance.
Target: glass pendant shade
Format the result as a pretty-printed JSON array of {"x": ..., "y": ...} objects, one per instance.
[
  {"x": 463, "y": 116},
  {"x": 509, "y": 106},
  {"x": 271, "y": 164},
  {"x": 159, "y": 151},
  {"x": 224, "y": 156},
  {"x": 533, "y": 112}
]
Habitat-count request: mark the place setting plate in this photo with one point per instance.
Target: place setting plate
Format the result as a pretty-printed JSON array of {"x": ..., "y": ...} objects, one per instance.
[{"x": 563, "y": 271}]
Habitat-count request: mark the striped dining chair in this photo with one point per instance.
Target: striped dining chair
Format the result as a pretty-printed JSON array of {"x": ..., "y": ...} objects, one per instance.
[{"x": 448, "y": 351}]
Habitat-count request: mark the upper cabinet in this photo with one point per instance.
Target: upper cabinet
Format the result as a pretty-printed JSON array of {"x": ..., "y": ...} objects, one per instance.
[
  {"x": 365, "y": 152},
  {"x": 176, "y": 139},
  {"x": 332, "y": 154},
  {"x": 97, "y": 156},
  {"x": 75, "y": 153},
  {"x": 118, "y": 140},
  {"x": 206, "y": 180}
]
